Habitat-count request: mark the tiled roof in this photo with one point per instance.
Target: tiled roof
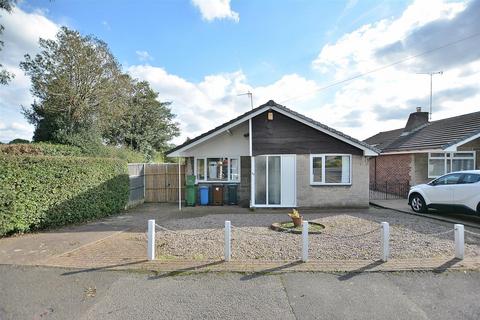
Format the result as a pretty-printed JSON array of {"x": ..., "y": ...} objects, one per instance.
[
  {"x": 438, "y": 134},
  {"x": 272, "y": 103}
]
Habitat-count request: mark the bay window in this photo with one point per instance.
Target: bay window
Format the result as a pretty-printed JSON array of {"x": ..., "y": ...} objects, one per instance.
[
  {"x": 330, "y": 169},
  {"x": 217, "y": 169},
  {"x": 440, "y": 163}
]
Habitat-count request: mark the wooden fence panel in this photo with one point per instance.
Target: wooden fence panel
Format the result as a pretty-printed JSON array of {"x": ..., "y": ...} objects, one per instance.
[{"x": 161, "y": 182}]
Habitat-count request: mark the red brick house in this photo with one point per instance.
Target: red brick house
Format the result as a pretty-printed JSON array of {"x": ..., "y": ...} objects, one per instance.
[{"x": 424, "y": 150}]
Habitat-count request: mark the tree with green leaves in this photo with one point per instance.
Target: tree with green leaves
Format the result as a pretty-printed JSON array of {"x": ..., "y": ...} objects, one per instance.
[
  {"x": 148, "y": 124},
  {"x": 5, "y": 76},
  {"x": 76, "y": 82},
  {"x": 19, "y": 141},
  {"x": 83, "y": 98}
]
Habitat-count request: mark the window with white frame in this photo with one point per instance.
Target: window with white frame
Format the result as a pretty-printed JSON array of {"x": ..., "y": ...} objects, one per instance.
[
  {"x": 330, "y": 169},
  {"x": 440, "y": 163},
  {"x": 217, "y": 169}
]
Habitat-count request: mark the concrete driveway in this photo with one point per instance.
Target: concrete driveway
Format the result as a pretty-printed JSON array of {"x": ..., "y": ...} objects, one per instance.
[{"x": 53, "y": 293}]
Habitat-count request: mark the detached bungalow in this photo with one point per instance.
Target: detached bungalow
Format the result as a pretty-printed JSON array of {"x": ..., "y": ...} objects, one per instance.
[
  {"x": 280, "y": 158},
  {"x": 425, "y": 150}
]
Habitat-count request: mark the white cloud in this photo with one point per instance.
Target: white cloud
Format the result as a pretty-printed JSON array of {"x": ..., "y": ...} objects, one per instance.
[
  {"x": 216, "y": 9},
  {"x": 143, "y": 55},
  {"x": 15, "y": 130},
  {"x": 214, "y": 100},
  {"x": 385, "y": 98},
  {"x": 21, "y": 35}
]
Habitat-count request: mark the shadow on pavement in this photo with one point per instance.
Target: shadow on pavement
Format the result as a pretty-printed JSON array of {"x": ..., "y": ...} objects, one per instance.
[
  {"x": 102, "y": 268},
  {"x": 180, "y": 271},
  {"x": 266, "y": 271},
  {"x": 448, "y": 264},
  {"x": 360, "y": 270}
]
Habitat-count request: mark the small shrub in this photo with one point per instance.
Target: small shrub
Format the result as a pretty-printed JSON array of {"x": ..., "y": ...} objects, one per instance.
[{"x": 41, "y": 191}]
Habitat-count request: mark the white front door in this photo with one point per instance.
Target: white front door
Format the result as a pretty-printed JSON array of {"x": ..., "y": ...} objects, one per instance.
[{"x": 274, "y": 181}]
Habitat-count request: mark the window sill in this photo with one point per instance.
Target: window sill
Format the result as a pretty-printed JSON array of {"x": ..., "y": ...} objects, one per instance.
[
  {"x": 329, "y": 184},
  {"x": 219, "y": 181}
]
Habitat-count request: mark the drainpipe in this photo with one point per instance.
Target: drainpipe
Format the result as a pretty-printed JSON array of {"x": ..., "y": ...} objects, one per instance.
[{"x": 179, "y": 185}]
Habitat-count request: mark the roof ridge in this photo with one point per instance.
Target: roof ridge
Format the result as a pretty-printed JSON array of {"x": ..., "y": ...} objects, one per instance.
[
  {"x": 458, "y": 116},
  {"x": 271, "y": 104}
]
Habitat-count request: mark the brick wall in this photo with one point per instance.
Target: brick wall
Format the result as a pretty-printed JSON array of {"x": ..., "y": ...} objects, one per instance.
[
  {"x": 473, "y": 145},
  {"x": 391, "y": 168},
  {"x": 354, "y": 195}
]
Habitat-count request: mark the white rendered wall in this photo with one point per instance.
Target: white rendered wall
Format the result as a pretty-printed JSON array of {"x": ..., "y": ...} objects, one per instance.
[{"x": 223, "y": 144}]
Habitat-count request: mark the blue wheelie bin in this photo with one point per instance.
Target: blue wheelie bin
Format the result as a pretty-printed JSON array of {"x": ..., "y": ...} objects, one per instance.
[{"x": 204, "y": 193}]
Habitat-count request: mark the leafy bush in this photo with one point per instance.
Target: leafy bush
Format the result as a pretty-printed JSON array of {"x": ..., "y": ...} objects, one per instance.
[
  {"x": 18, "y": 140},
  {"x": 39, "y": 149},
  {"x": 41, "y": 191},
  {"x": 48, "y": 149}
]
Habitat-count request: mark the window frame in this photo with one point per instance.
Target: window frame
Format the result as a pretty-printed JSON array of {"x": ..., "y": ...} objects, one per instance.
[
  {"x": 205, "y": 168},
  {"x": 323, "y": 156},
  {"x": 449, "y": 156}
]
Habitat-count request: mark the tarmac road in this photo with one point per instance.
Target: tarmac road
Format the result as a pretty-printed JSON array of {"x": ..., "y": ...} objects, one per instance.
[{"x": 52, "y": 293}]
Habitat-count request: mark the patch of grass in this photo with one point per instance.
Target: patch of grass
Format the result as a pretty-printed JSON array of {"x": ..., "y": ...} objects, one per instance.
[
  {"x": 166, "y": 257},
  {"x": 199, "y": 257}
]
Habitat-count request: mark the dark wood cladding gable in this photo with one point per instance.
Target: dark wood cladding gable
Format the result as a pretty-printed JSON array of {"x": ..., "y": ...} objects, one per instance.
[{"x": 284, "y": 135}]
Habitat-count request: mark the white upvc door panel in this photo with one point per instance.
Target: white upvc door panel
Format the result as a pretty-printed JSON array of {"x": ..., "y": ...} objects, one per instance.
[
  {"x": 289, "y": 181},
  {"x": 274, "y": 181}
]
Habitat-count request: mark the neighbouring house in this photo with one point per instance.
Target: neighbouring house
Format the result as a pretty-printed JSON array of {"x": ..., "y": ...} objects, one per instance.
[
  {"x": 280, "y": 158},
  {"x": 424, "y": 150}
]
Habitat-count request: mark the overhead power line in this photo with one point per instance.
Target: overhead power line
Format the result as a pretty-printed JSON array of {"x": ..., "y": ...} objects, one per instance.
[{"x": 385, "y": 66}]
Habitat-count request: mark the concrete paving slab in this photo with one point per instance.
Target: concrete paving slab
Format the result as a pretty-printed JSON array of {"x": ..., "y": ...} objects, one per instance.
[{"x": 363, "y": 296}]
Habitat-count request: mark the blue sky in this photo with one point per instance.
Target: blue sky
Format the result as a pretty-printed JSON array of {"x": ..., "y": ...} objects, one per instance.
[
  {"x": 200, "y": 54},
  {"x": 270, "y": 39}
]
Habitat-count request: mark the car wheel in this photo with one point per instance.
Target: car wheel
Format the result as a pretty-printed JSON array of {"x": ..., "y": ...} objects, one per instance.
[
  {"x": 417, "y": 203},
  {"x": 478, "y": 208}
]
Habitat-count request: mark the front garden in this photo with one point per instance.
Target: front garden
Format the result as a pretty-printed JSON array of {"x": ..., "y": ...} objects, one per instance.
[{"x": 346, "y": 236}]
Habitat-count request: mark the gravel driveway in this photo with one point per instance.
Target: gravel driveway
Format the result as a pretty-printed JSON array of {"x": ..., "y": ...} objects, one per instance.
[{"x": 410, "y": 237}]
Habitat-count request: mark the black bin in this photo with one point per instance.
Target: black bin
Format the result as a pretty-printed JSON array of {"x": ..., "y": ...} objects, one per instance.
[{"x": 232, "y": 197}]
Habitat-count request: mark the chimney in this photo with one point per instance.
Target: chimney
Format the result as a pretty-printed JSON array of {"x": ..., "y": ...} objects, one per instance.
[{"x": 415, "y": 120}]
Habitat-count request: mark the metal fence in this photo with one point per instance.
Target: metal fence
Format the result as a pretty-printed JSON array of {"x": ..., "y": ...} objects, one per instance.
[
  {"x": 389, "y": 190},
  {"x": 136, "y": 174}
]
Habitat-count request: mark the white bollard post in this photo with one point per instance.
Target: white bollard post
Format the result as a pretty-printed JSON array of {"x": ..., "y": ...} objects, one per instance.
[
  {"x": 385, "y": 232},
  {"x": 228, "y": 238},
  {"x": 459, "y": 241},
  {"x": 151, "y": 240},
  {"x": 305, "y": 241}
]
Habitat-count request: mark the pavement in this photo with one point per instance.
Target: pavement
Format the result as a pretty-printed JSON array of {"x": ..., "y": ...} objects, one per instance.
[
  {"x": 451, "y": 216},
  {"x": 56, "y": 293}
]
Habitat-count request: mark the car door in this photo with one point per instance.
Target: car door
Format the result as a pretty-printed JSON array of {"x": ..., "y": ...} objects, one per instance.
[
  {"x": 441, "y": 190},
  {"x": 467, "y": 190}
]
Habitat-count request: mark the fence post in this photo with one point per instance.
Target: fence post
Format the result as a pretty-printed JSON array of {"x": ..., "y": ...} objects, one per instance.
[
  {"x": 151, "y": 240},
  {"x": 459, "y": 241},
  {"x": 385, "y": 232},
  {"x": 305, "y": 241},
  {"x": 228, "y": 238}
]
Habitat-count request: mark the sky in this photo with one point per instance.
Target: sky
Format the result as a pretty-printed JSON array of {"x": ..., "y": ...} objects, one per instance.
[{"x": 203, "y": 54}]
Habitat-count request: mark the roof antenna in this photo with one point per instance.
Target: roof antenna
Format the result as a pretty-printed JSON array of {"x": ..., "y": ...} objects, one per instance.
[
  {"x": 431, "y": 82},
  {"x": 248, "y": 93}
]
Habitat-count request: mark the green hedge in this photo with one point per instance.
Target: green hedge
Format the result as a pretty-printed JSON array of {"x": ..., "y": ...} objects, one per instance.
[
  {"x": 41, "y": 192},
  {"x": 62, "y": 150}
]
